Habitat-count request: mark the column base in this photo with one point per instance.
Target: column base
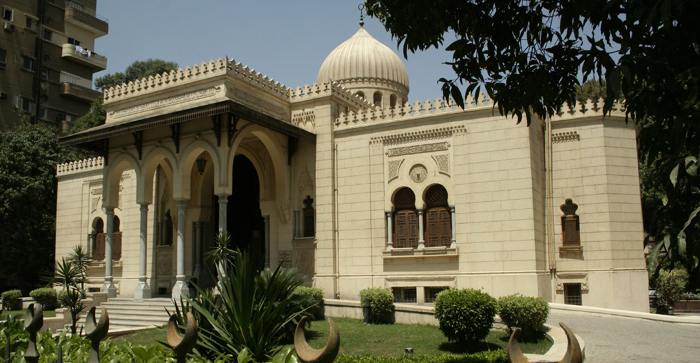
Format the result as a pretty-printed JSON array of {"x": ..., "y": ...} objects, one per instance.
[
  {"x": 180, "y": 290},
  {"x": 109, "y": 288},
  {"x": 453, "y": 244},
  {"x": 421, "y": 245},
  {"x": 389, "y": 248},
  {"x": 142, "y": 291}
]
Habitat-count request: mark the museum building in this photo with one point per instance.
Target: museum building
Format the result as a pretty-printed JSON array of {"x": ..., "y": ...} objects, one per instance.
[{"x": 355, "y": 186}]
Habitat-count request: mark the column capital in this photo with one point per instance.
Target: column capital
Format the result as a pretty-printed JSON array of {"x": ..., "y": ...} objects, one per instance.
[
  {"x": 182, "y": 202},
  {"x": 144, "y": 207},
  {"x": 109, "y": 210},
  {"x": 223, "y": 198}
]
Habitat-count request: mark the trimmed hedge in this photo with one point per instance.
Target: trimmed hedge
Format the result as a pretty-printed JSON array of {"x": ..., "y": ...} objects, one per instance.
[
  {"x": 669, "y": 287},
  {"x": 11, "y": 300},
  {"x": 494, "y": 356},
  {"x": 316, "y": 294},
  {"x": 381, "y": 302},
  {"x": 46, "y": 296},
  {"x": 524, "y": 312},
  {"x": 465, "y": 315}
]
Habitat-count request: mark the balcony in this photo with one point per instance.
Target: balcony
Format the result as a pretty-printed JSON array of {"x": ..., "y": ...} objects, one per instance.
[
  {"x": 86, "y": 18},
  {"x": 84, "y": 57},
  {"x": 79, "y": 92}
]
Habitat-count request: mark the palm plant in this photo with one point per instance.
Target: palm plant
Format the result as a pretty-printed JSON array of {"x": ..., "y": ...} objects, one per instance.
[
  {"x": 81, "y": 259},
  {"x": 221, "y": 254},
  {"x": 69, "y": 275}
]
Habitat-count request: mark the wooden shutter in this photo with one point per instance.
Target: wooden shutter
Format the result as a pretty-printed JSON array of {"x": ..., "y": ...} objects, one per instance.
[
  {"x": 98, "y": 254},
  {"x": 438, "y": 230},
  {"x": 117, "y": 246}
]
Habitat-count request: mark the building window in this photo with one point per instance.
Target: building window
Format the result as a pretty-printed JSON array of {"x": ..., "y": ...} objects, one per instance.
[
  {"x": 117, "y": 240},
  {"x": 570, "y": 226},
  {"x": 44, "y": 114},
  {"x": 378, "y": 99},
  {"x": 404, "y": 294},
  {"x": 432, "y": 292},
  {"x": 73, "y": 41},
  {"x": 166, "y": 228},
  {"x": 31, "y": 24},
  {"x": 405, "y": 219},
  {"x": 572, "y": 294},
  {"x": 27, "y": 63},
  {"x": 360, "y": 94},
  {"x": 438, "y": 231},
  {"x": 44, "y": 73},
  {"x": 3, "y": 58},
  {"x": 392, "y": 101},
  {"x": 98, "y": 248},
  {"x": 7, "y": 14},
  {"x": 309, "y": 217},
  {"x": 24, "y": 104},
  {"x": 48, "y": 34}
]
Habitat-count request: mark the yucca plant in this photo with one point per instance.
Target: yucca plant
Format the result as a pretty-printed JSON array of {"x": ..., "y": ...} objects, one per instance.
[
  {"x": 252, "y": 310},
  {"x": 81, "y": 260}
]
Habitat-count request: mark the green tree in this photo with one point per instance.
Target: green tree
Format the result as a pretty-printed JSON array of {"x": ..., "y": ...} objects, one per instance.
[
  {"x": 530, "y": 56},
  {"x": 137, "y": 70},
  {"x": 28, "y": 157}
]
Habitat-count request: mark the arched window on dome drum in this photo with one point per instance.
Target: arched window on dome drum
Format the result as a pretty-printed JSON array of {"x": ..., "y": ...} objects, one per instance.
[
  {"x": 98, "y": 248},
  {"x": 405, "y": 219},
  {"x": 378, "y": 99},
  {"x": 392, "y": 101},
  {"x": 438, "y": 231},
  {"x": 360, "y": 94},
  {"x": 116, "y": 240}
]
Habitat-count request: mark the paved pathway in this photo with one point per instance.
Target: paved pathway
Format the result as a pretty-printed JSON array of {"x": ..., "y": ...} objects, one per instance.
[{"x": 617, "y": 340}]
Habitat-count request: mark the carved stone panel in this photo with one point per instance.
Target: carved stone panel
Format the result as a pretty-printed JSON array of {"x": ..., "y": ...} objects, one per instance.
[
  {"x": 394, "y": 169},
  {"x": 417, "y": 149},
  {"x": 303, "y": 258},
  {"x": 285, "y": 258},
  {"x": 418, "y": 173},
  {"x": 443, "y": 163}
]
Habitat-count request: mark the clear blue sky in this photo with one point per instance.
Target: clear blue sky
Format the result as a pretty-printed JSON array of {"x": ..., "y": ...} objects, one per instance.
[{"x": 285, "y": 40}]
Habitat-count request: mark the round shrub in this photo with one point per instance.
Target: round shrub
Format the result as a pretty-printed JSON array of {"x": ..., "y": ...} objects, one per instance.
[
  {"x": 524, "y": 312},
  {"x": 381, "y": 302},
  {"x": 465, "y": 315},
  {"x": 11, "y": 300},
  {"x": 46, "y": 296},
  {"x": 315, "y": 300},
  {"x": 669, "y": 287}
]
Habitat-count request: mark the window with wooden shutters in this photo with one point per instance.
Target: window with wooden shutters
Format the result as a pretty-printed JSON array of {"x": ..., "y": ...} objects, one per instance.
[
  {"x": 116, "y": 240},
  {"x": 98, "y": 249},
  {"x": 438, "y": 231},
  {"x": 309, "y": 217},
  {"x": 405, "y": 219}
]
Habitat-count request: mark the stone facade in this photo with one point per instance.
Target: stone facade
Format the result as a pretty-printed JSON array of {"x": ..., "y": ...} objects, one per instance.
[{"x": 329, "y": 170}]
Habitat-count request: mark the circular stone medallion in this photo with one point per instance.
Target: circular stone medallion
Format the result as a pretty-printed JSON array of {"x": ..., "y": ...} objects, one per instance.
[{"x": 418, "y": 173}]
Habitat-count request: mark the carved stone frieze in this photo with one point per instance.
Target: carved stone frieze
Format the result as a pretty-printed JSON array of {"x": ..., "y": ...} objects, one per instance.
[
  {"x": 258, "y": 103},
  {"x": 190, "y": 96},
  {"x": 406, "y": 137},
  {"x": 443, "y": 163},
  {"x": 417, "y": 149},
  {"x": 565, "y": 137},
  {"x": 574, "y": 278},
  {"x": 394, "y": 168},
  {"x": 303, "y": 117},
  {"x": 95, "y": 203},
  {"x": 305, "y": 180}
]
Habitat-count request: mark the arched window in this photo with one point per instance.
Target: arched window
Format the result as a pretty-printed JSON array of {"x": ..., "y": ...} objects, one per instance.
[
  {"x": 98, "y": 248},
  {"x": 117, "y": 240},
  {"x": 378, "y": 99},
  {"x": 309, "y": 217},
  {"x": 360, "y": 94},
  {"x": 405, "y": 219},
  {"x": 392, "y": 101},
  {"x": 438, "y": 231}
]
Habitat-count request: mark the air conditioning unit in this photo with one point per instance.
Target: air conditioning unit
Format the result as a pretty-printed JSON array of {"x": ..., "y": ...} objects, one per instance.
[{"x": 9, "y": 27}]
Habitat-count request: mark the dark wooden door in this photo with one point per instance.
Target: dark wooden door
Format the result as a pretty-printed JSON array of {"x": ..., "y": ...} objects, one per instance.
[{"x": 438, "y": 227}]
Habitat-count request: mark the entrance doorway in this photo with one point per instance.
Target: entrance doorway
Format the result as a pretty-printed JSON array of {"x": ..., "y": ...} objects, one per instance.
[{"x": 245, "y": 223}]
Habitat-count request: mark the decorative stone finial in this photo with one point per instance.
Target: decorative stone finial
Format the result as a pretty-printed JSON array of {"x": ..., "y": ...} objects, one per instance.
[
  {"x": 569, "y": 207},
  {"x": 361, "y": 7}
]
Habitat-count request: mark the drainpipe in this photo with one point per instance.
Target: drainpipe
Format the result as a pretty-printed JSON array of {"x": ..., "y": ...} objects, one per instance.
[
  {"x": 549, "y": 211},
  {"x": 336, "y": 236}
]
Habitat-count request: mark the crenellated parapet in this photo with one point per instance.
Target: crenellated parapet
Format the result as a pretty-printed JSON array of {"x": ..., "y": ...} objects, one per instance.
[
  {"x": 408, "y": 111},
  {"x": 79, "y": 166},
  {"x": 306, "y": 93}
]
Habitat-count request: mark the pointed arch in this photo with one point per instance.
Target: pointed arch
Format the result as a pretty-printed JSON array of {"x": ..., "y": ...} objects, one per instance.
[
  {"x": 149, "y": 165},
  {"x": 112, "y": 177},
  {"x": 183, "y": 175}
]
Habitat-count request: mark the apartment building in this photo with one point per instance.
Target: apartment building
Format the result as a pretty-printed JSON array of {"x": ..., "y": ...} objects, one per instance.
[{"x": 48, "y": 58}]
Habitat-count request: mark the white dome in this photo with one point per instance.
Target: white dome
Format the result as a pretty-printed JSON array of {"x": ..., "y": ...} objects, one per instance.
[{"x": 363, "y": 59}]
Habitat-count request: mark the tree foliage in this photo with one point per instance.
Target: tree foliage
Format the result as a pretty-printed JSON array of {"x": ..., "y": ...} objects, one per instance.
[
  {"x": 28, "y": 157},
  {"x": 137, "y": 70},
  {"x": 530, "y": 57}
]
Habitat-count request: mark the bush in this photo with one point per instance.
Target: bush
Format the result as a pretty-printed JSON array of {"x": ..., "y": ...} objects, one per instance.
[
  {"x": 11, "y": 300},
  {"x": 669, "y": 286},
  {"x": 316, "y": 296},
  {"x": 465, "y": 315},
  {"x": 524, "y": 312},
  {"x": 381, "y": 302},
  {"x": 46, "y": 296}
]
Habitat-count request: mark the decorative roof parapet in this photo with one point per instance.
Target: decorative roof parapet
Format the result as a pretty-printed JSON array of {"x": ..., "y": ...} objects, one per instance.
[
  {"x": 193, "y": 74},
  {"x": 409, "y": 111},
  {"x": 326, "y": 89},
  {"x": 587, "y": 109},
  {"x": 72, "y": 167}
]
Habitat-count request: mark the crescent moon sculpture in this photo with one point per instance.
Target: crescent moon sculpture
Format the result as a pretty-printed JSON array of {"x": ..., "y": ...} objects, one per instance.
[
  {"x": 573, "y": 349},
  {"x": 182, "y": 345},
  {"x": 326, "y": 354},
  {"x": 33, "y": 321},
  {"x": 96, "y": 332}
]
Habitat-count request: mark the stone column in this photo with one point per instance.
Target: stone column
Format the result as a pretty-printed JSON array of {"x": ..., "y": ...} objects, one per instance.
[
  {"x": 389, "y": 237},
  {"x": 223, "y": 216},
  {"x": 108, "y": 286},
  {"x": 454, "y": 230},
  {"x": 421, "y": 240},
  {"x": 198, "y": 250},
  {"x": 91, "y": 242},
  {"x": 143, "y": 291},
  {"x": 180, "y": 289},
  {"x": 267, "y": 241}
]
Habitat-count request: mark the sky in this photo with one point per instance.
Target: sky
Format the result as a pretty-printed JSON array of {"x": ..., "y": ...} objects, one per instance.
[{"x": 285, "y": 40}]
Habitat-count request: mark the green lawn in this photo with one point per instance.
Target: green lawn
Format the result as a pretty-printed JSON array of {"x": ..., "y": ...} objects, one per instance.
[
  {"x": 3, "y": 316},
  {"x": 387, "y": 340}
]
